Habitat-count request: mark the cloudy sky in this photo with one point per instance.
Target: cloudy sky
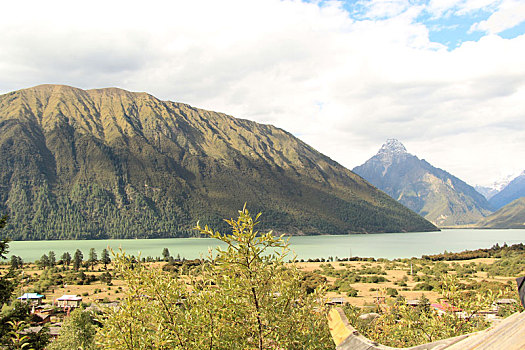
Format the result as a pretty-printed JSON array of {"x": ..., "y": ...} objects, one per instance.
[{"x": 445, "y": 77}]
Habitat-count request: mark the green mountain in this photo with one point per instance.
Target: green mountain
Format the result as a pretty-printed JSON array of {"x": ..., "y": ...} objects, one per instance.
[
  {"x": 510, "y": 216},
  {"x": 111, "y": 163},
  {"x": 438, "y": 196}
]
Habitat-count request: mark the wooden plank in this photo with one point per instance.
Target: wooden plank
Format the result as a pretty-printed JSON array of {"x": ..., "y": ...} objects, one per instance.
[{"x": 507, "y": 335}]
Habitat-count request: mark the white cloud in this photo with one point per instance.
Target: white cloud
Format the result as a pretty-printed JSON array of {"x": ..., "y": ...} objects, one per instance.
[
  {"x": 441, "y": 8},
  {"x": 509, "y": 14},
  {"x": 342, "y": 85},
  {"x": 379, "y": 9}
]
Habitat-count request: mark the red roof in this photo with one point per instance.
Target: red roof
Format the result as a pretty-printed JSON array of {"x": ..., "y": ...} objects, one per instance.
[{"x": 444, "y": 306}]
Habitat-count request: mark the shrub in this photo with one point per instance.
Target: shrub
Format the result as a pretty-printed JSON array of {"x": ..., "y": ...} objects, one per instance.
[{"x": 243, "y": 298}]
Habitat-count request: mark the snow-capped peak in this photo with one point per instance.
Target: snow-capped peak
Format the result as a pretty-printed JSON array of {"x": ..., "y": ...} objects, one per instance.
[
  {"x": 504, "y": 181},
  {"x": 392, "y": 146}
]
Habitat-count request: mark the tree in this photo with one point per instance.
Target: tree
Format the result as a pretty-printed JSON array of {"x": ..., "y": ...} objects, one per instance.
[
  {"x": 105, "y": 258},
  {"x": 14, "y": 262},
  {"x": 105, "y": 277},
  {"x": 244, "y": 297},
  {"x": 77, "y": 332},
  {"x": 20, "y": 262},
  {"x": 77, "y": 259},
  {"x": 4, "y": 242},
  {"x": 166, "y": 254},
  {"x": 13, "y": 317},
  {"x": 18, "y": 340},
  {"x": 43, "y": 262},
  {"x": 401, "y": 325},
  {"x": 7, "y": 283},
  {"x": 66, "y": 259},
  {"x": 52, "y": 259},
  {"x": 92, "y": 258}
]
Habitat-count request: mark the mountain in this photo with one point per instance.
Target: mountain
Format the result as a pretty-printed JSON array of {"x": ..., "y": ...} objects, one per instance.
[
  {"x": 435, "y": 194},
  {"x": 514, "y": 190},
  {"x": 490, "y": 191},
  {"x": 487, "y": 191},
  {"x": 109, "y": 163},
  {"x": 510, "y": 216}
]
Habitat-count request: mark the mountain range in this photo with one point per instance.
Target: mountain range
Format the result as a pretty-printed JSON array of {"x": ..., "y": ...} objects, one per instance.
[
  {"x": 512, "y": 191},
  {"x": 434, "y": 193},
  {"x": 489, "y": 191},
  {"x": 109, "y": 163}
]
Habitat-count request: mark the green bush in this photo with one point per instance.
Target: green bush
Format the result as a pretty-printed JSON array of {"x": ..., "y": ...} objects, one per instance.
[{"x": 241, "y": 298}]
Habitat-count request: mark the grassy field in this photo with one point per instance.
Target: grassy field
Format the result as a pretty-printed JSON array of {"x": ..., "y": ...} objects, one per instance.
[
  {"x": 408, "y": 278},
  {"x": 396, "y": 273}
]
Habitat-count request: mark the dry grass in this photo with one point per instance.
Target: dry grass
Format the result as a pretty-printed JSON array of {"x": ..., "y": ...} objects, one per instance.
[{"x": 366, "y": 296}]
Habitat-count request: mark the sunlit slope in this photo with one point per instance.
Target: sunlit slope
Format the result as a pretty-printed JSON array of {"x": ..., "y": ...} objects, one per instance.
[
  {"x": 113, "y": 163},
  {"x": 510, "y": 216}
]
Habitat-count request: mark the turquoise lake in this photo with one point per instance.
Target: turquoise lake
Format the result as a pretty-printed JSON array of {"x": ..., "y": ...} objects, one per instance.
[{"x": 386, "y": 245}]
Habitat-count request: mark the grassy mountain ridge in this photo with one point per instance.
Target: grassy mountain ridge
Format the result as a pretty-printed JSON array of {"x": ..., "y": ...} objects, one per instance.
[
  {"x": 113, "y": 163},
  {"x": 510, "y": 216}
]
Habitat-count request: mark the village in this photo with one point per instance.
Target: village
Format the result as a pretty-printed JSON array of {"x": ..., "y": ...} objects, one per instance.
[{"x": 364, "y": 287}]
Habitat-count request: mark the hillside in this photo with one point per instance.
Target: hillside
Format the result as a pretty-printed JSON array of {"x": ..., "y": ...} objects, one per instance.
[
  {"x": 510, "y": 216},
  {"x": 435, "y": 194},
  {"x": 515, "y": 189},
  {"x": 109, "y": 163}
]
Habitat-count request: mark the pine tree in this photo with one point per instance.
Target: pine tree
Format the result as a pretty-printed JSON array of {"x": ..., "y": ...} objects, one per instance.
[
  {"x": 7, "y": 285},
  {"x": 43, "y": 262},
  {"x": 105, "y": 258},
  {"x": 77, "y": 259},
  {"x": 14, "y": 262},
  {"x": 92, "y": 258},
  {"x": 66, "y": 259},
  {"x": 4, "y": 243},
  {"x": 166, "y": 254},
  {"x": 52, "y": 259}
]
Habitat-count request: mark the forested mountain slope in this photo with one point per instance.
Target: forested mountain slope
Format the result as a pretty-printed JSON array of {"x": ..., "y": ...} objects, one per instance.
[{"x": 105, "y": 163}]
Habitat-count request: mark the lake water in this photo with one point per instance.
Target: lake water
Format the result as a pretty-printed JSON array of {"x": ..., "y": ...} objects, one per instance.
[{"x": 387, "y": 245}]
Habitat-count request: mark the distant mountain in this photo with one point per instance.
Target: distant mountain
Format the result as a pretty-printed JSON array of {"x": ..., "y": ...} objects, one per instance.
[
  {"x": 435, "y": 194},
  {"x": 490, "y": 191},
  {"x": 514, "y": 190},
  {"x": 109, "y": 163},
  {"x": 510, "y": 216},
  {"x": 486, "y": 191}
]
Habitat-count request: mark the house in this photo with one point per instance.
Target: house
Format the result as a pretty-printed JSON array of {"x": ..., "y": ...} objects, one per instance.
[
  {"x": 335, "y": 301},
  {"x": 53, "y": 331},
  {"x": 44, "y": 318},
  {"x": 415, "y": 302},
  {"x": 34, "y": 298},
  {"x": 499, "y": 304},
  {"x": 505, "y": 302},
  {"x": 69, "y": 300}
]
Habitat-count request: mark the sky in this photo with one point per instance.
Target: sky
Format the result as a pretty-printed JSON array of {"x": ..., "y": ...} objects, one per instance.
[{"x": 445, "y": 77}]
